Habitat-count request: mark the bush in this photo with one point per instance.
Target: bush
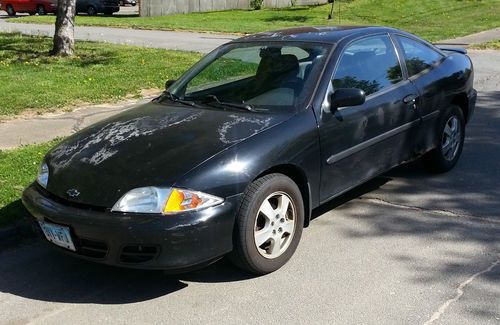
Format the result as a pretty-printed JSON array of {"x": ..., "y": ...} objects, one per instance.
[{"x": 256, "y": 4}]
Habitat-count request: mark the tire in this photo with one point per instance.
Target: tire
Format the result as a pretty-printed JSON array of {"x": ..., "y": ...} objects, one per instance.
[
  {"x": 40, "y": 10},
  {"x": 122, "y": 4},
  {"x": 10, "y": 10},
  {"x": 91, "y": 11},
  {"x": 254, "y": 227},
  {"x": 451, "y": 134}
]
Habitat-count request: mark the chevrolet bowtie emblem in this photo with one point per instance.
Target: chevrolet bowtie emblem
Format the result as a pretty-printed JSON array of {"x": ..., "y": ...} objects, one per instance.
[{"x": 72, "y": 192}]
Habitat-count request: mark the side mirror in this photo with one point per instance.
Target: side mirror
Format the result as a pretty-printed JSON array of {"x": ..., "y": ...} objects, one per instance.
[
  {"x": 169, "y": 83},
  {"x": 343, "y": 97}
]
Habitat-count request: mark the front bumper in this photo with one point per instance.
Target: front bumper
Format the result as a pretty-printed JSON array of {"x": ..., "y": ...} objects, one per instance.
[{"x": 140, "y": 241}]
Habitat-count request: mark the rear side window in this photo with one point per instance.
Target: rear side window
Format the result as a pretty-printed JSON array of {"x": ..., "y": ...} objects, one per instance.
[
  {"x": 418, "y": 55},
  {"x": 369, "y": 64}
]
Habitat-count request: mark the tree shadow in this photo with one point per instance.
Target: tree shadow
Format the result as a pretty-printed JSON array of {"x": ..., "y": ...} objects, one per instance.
[
  {"x": 458, "y": 213},
  {"x": 19, "y": 49}
]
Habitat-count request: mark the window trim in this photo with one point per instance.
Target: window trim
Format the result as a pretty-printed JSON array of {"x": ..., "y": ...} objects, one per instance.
[
  {"x": 385, "y": 89},
  {"x": 397, "y": 37}
]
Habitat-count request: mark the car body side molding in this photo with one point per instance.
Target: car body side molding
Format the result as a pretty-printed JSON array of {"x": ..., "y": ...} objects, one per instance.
[{"x": 368, "y": 143}]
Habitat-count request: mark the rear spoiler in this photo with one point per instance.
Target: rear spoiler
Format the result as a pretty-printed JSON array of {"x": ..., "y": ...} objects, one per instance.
[{"x": 451, "y": 48}]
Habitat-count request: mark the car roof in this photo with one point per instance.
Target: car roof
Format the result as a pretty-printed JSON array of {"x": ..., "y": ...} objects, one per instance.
[{"x": 326, "y": 34}]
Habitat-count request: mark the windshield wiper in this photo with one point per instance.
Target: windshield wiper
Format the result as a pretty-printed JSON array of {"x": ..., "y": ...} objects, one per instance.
[
  {"x": 176, "y": 99},
  {"x": 247, "y": 107}
]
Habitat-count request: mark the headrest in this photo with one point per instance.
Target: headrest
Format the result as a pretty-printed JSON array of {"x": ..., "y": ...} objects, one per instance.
[{"x": 278, "y": 65}]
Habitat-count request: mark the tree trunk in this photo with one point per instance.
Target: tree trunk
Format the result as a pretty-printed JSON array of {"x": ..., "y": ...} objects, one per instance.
[
  {"x": 330, "y": 15},
  {"x": 64, "y": 39}
]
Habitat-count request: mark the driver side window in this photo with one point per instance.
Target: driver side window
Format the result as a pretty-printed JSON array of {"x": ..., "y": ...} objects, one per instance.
[{"x": 369, "y": 64}]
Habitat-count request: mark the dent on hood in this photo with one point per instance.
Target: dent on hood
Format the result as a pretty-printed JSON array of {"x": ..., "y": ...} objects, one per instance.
[
  {"x": 232, "y": 131},
  {"x": 110, "y": 136}
]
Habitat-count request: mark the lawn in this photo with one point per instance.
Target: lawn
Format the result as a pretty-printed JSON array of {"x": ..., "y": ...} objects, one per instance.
[
  {"x": 32, "y": 80},
  {"x": 19, "y": 168},
  {"x": 493, "y": 45},
  {"x": 431, "y": 19}
]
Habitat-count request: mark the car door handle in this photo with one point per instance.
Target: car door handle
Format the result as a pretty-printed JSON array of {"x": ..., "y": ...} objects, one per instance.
[{"x": 410, "y": 99}]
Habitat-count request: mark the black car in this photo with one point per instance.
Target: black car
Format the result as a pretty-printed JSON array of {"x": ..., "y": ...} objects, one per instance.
[
  {"x": 233, "y": 156},
  {"x": 94, "y": 7}
]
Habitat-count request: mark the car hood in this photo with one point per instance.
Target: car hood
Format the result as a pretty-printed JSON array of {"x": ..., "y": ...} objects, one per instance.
[{"x": 150, "y": 145}]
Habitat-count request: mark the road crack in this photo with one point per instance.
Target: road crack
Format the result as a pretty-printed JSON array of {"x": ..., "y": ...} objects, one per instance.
[
  {"x": 447, "y": 213},
  {"x": 460, "y": 292}
]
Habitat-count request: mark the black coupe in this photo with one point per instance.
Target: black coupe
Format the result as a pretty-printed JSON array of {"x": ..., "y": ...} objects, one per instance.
[{"x": 234, "y": 155}]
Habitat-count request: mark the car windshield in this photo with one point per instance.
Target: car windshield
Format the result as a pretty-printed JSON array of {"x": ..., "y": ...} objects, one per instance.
[{"x": 269, "y": 76}]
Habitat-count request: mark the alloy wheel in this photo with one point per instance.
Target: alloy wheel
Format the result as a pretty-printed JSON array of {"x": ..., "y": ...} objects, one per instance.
[
  {"x": 275, "y": 225},
  {"x": 451, "y": 138}
]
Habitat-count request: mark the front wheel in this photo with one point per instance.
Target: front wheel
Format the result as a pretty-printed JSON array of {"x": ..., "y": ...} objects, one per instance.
[
  {"x": 451, "y": 134},
  {"x": 269, "y": 224}
]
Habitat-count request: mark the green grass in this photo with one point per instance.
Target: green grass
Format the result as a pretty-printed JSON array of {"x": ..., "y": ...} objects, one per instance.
[
  {"x": 431, "y": 19},
  {"x": 19, "y": 168},
  {"x": 493, "y": 45},
  {"x": 30, "y": 79}
]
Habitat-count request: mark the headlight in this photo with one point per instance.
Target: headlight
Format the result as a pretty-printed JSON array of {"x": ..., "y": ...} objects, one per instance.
[
  {"x": 43, "y": 175},
  {"x": 164, "y": 200}
]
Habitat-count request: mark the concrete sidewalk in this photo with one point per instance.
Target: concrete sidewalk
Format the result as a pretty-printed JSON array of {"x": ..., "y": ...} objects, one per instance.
[
  {"x": 187, "y": 41},
  {"x": 43, "y": 128},
  {"x": 478, "y": 38}
]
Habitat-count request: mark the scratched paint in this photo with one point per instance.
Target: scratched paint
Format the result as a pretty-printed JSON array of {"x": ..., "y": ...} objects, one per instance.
[
  {"x": 231, "y": 131},
  {"x": 110, "y": 136}
]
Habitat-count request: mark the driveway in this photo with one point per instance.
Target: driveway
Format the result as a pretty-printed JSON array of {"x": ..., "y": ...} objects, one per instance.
[{"x": 406, "y": 248}]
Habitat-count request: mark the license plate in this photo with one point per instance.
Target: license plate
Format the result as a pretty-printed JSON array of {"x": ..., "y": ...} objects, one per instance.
[{"x": 58, "y": 235}]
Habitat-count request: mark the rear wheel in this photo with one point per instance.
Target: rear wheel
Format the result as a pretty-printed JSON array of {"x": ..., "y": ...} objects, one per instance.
[
  {"x": 91, "y": 11},
  {"x": 269, "y": 224},
  {"x": 10, "y": 10},
  {"x": 451, "y": 134},
  {"x": 40, "y": 10}
]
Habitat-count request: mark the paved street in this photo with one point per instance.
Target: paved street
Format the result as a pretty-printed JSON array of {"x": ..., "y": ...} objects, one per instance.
[
  {"x": 187, "y": 41},
  {"x": 406, "y": 248}
]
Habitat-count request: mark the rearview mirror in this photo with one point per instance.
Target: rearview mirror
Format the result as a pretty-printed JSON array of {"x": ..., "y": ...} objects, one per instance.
[
  {"x": 343, "y": 97},
  {"x": 169, "y": 83}
]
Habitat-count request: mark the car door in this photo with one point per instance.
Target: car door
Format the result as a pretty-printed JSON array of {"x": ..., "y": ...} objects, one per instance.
[
  {"x": 22, "y": 5},
  {"x": 422, "y": 63},
  {"x": 360, "y": 142}
]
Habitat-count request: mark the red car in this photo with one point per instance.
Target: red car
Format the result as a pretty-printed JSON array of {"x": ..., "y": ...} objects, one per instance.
[{"x": 41, "y": 7}]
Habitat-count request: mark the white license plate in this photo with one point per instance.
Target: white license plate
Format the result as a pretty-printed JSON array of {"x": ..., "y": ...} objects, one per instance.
[{"x": 58, "y": 235}]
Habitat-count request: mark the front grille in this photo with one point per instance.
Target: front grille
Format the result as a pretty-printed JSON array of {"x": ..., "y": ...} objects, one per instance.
[
  {"x": 92, "y": 248},
  {"x": 135, "y": 254},
  {"x": 72, "y": 204}
]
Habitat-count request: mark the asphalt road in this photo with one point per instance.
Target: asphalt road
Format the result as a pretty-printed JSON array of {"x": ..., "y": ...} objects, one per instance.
[{"x": 406, "y": 248}]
